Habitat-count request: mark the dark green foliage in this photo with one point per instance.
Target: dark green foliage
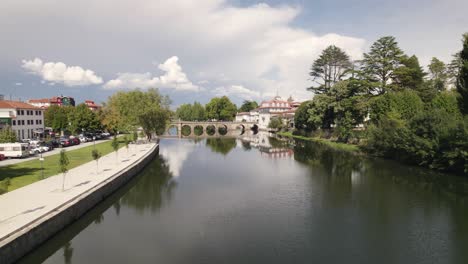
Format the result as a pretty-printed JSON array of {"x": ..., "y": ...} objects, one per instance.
[
  {"x": 301, "y": 117},
  {"x": 462, "y": 80},
  {"x": 188, "y": 112},
  {"x": 221, "y": 145},
  {"x": 401, "y": 105},
  {"x": 331, "y": 67},
  {"x": 81, "y": 118},
  {"x": 276, "y": 123},
  {"x": 96, "y": 154},
  {"x": 63, "y": 162},
  {"x": 221, "y": 108},
  {"x": 438, "y": 75},
  {"x": 380, "y": 63},
  {"x": 154, "y": 121},
  {"x": 409, "y": 75},
  {"x": 186, "y": 131},
  {"x": 135, "y": 136},
  {"x": 7, "y": 135},
  {"x": 247, "y": 106}
]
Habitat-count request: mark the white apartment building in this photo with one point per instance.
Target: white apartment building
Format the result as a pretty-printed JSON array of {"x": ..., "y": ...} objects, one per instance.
[{"x": 26, "y": 120}]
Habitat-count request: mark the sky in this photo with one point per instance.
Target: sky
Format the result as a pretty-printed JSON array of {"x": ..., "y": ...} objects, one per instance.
[{"x": 196, "y": 50}]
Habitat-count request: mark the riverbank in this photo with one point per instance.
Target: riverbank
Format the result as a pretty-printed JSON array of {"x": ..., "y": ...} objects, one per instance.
[
  {"x": 43, "y": 208},
  {"x": 335, "y": 145},
  {"x": 28, "y": 172}
]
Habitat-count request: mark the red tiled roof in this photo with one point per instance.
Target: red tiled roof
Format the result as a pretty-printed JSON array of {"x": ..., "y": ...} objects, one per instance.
[
  {"x": 43, "y": 100},
  {"x": 16, "y": 105}
]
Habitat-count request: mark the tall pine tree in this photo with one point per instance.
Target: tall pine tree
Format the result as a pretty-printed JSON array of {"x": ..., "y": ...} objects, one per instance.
[{"x": 462, "y": 81}]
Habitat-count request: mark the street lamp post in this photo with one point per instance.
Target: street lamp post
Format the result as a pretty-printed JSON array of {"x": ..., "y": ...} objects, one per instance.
[{"x": 94, "y": 142}]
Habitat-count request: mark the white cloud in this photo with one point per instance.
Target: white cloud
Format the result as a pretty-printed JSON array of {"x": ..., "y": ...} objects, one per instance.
[
  {"x": 238, "y": 91},
  {"x": 173, "y": 78},
  {"x": 59, "y": 72},
  {"x": 220, "y": 44},
  {"x": 18, "y": 84}
]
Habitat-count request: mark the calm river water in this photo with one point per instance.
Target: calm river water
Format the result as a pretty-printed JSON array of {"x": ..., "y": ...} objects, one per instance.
[{"x": 261, "y": 200}]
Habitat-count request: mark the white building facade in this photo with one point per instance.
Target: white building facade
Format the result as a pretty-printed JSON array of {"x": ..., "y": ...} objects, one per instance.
[{"x": 26, "y": 120}]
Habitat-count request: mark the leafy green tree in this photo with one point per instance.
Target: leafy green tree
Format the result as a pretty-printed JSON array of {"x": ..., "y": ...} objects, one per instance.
[
  {"x": 7, "y": 135},
  {"x": 81, "y": 118},
  {"x": 247, "y": 106},
  {"x": 221, "y": 108},
  {"x": 135, "y": 136},
  {"x": 64, "y": 161},
  {"x": 154, "y": 121},
  {"x": 115, "y": 147},
  {"x": 331, "y": 67},
  {"x": 123, "y": 109},
  {"x": 276, "y": 123},
  {"x": 381, "y": 62},
  {"x": 409, "y": 75},
  {"x": 96, "y": 156},
  {"x": 56, "y": 117},
  {"x": 301, "y": 117},
  {"x": 198, "y": 112},
  {"x": 184, "y": 112},
  {"x": 126, "y": 142},
  {"x": 398, "y": 106},
  {"x": 462, "y": 80},
  {"x": 438, "y": 74}
]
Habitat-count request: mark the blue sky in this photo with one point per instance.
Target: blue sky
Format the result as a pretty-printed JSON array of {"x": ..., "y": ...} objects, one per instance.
[{"x": 193, "y": 51}]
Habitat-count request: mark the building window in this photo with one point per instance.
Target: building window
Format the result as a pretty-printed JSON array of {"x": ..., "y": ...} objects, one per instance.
[
  {"x": 22, "y": 123},
  {"x": 14, "y": 122}
]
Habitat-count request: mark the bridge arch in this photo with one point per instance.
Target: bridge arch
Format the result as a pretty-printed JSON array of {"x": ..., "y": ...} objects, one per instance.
[
  {"x": 186, "y": 130},
  {"x": 198, "y": 130},
  {"x": 222, "y": 129}
]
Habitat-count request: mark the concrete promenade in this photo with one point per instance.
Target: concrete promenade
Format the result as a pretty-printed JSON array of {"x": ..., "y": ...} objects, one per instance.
[{"x": 27, "y": 208}]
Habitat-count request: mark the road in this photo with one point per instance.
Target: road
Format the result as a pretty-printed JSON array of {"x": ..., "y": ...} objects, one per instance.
[{"x": 49, "y": 153}]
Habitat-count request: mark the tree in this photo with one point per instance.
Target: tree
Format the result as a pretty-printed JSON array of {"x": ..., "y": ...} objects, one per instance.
[
  {"x": 154, "y": 121},
  {"x": 221, "y": 108},
  {"x": 438, "y": 74},
  {"x": 124, "y": 108},
  {"x": 115, "y": 147},
  {"x": 409, "y": 75},
  {"x": 135, "y": 136},
  {"x": 331, "y": 67},
  {"x": 462, "y": 80},
  {"x": 301, "y": 116},
  {"x": 63, "y": 166},
  {"x": 198, "y": 112},
  {"x": 380, "y": 63},
  {"x": 247, "y": 106},
  {"x": 7, "y": 135},
  {"x": 56, "y": 117},
  {"x": 221, "y": 145},
  {"x": 184, "y": 112},
  {"x": 81, "y": 118},
  {"x": 96, "y": 156},
  {"x": 126, "y": 142},
  {"x": 276, "y": 123}
]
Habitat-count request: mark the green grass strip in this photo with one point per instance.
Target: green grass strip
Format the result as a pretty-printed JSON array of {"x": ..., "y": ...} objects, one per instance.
[
  {"x": 24, "y": 173},
  {"x": 335, "y": 145}
]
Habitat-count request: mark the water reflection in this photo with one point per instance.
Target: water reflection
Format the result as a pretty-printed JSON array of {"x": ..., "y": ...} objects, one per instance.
[
  {"x": 176, "y": 154},
  {"x": 67, "y": 253},
  {"x": 153, "y": 190},
  {"x": 315, "y": 205},
  {"x": 221, "y": 145}
]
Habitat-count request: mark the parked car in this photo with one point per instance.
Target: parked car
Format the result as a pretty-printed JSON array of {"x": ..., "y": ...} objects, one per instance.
[
  {"x": 49, "y": 145},
  {"x": 65, "y": 142},
  {"x": 54, "y": 143},
  {"x": 2, "y": 157},
  {"x": 76, "y": 141}
]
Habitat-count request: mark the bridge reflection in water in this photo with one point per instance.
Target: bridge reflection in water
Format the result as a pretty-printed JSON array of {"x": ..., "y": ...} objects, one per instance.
[{"x": 208, "y": 129}]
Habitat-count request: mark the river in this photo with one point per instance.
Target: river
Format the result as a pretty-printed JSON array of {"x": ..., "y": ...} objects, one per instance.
[{"x": 263, "y": 200}]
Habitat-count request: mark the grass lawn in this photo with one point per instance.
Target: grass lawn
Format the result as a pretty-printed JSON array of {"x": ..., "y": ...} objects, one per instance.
[
  {"x": 27, "y": 172},
  {"x": 336, "y": 145}
]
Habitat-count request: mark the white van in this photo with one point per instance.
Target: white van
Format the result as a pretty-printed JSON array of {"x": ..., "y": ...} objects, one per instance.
[{"x": 14, "y": 150}]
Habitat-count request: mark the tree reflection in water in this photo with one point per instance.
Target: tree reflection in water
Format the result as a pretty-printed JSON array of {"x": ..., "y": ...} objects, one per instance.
[
  {"x": 221, "y": 145},
  {"x": 67, "y": 253},
  {"x": 153, "y": 189}
]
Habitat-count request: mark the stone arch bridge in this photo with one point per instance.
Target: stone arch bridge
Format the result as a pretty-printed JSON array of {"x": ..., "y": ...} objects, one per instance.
[{"x": 207, "y": 128}]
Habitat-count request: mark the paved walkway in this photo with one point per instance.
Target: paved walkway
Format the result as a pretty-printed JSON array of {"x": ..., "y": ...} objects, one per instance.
[
  {"x": 26, "y": 205},
  {"x": 52, "y": 152}
]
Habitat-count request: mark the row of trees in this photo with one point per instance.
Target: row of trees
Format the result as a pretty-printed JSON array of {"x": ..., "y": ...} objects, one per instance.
[
  {"x": 411, "y": 115},
  {"x": 219, "y": 108},
  {"x": 73, "y": 119}
]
